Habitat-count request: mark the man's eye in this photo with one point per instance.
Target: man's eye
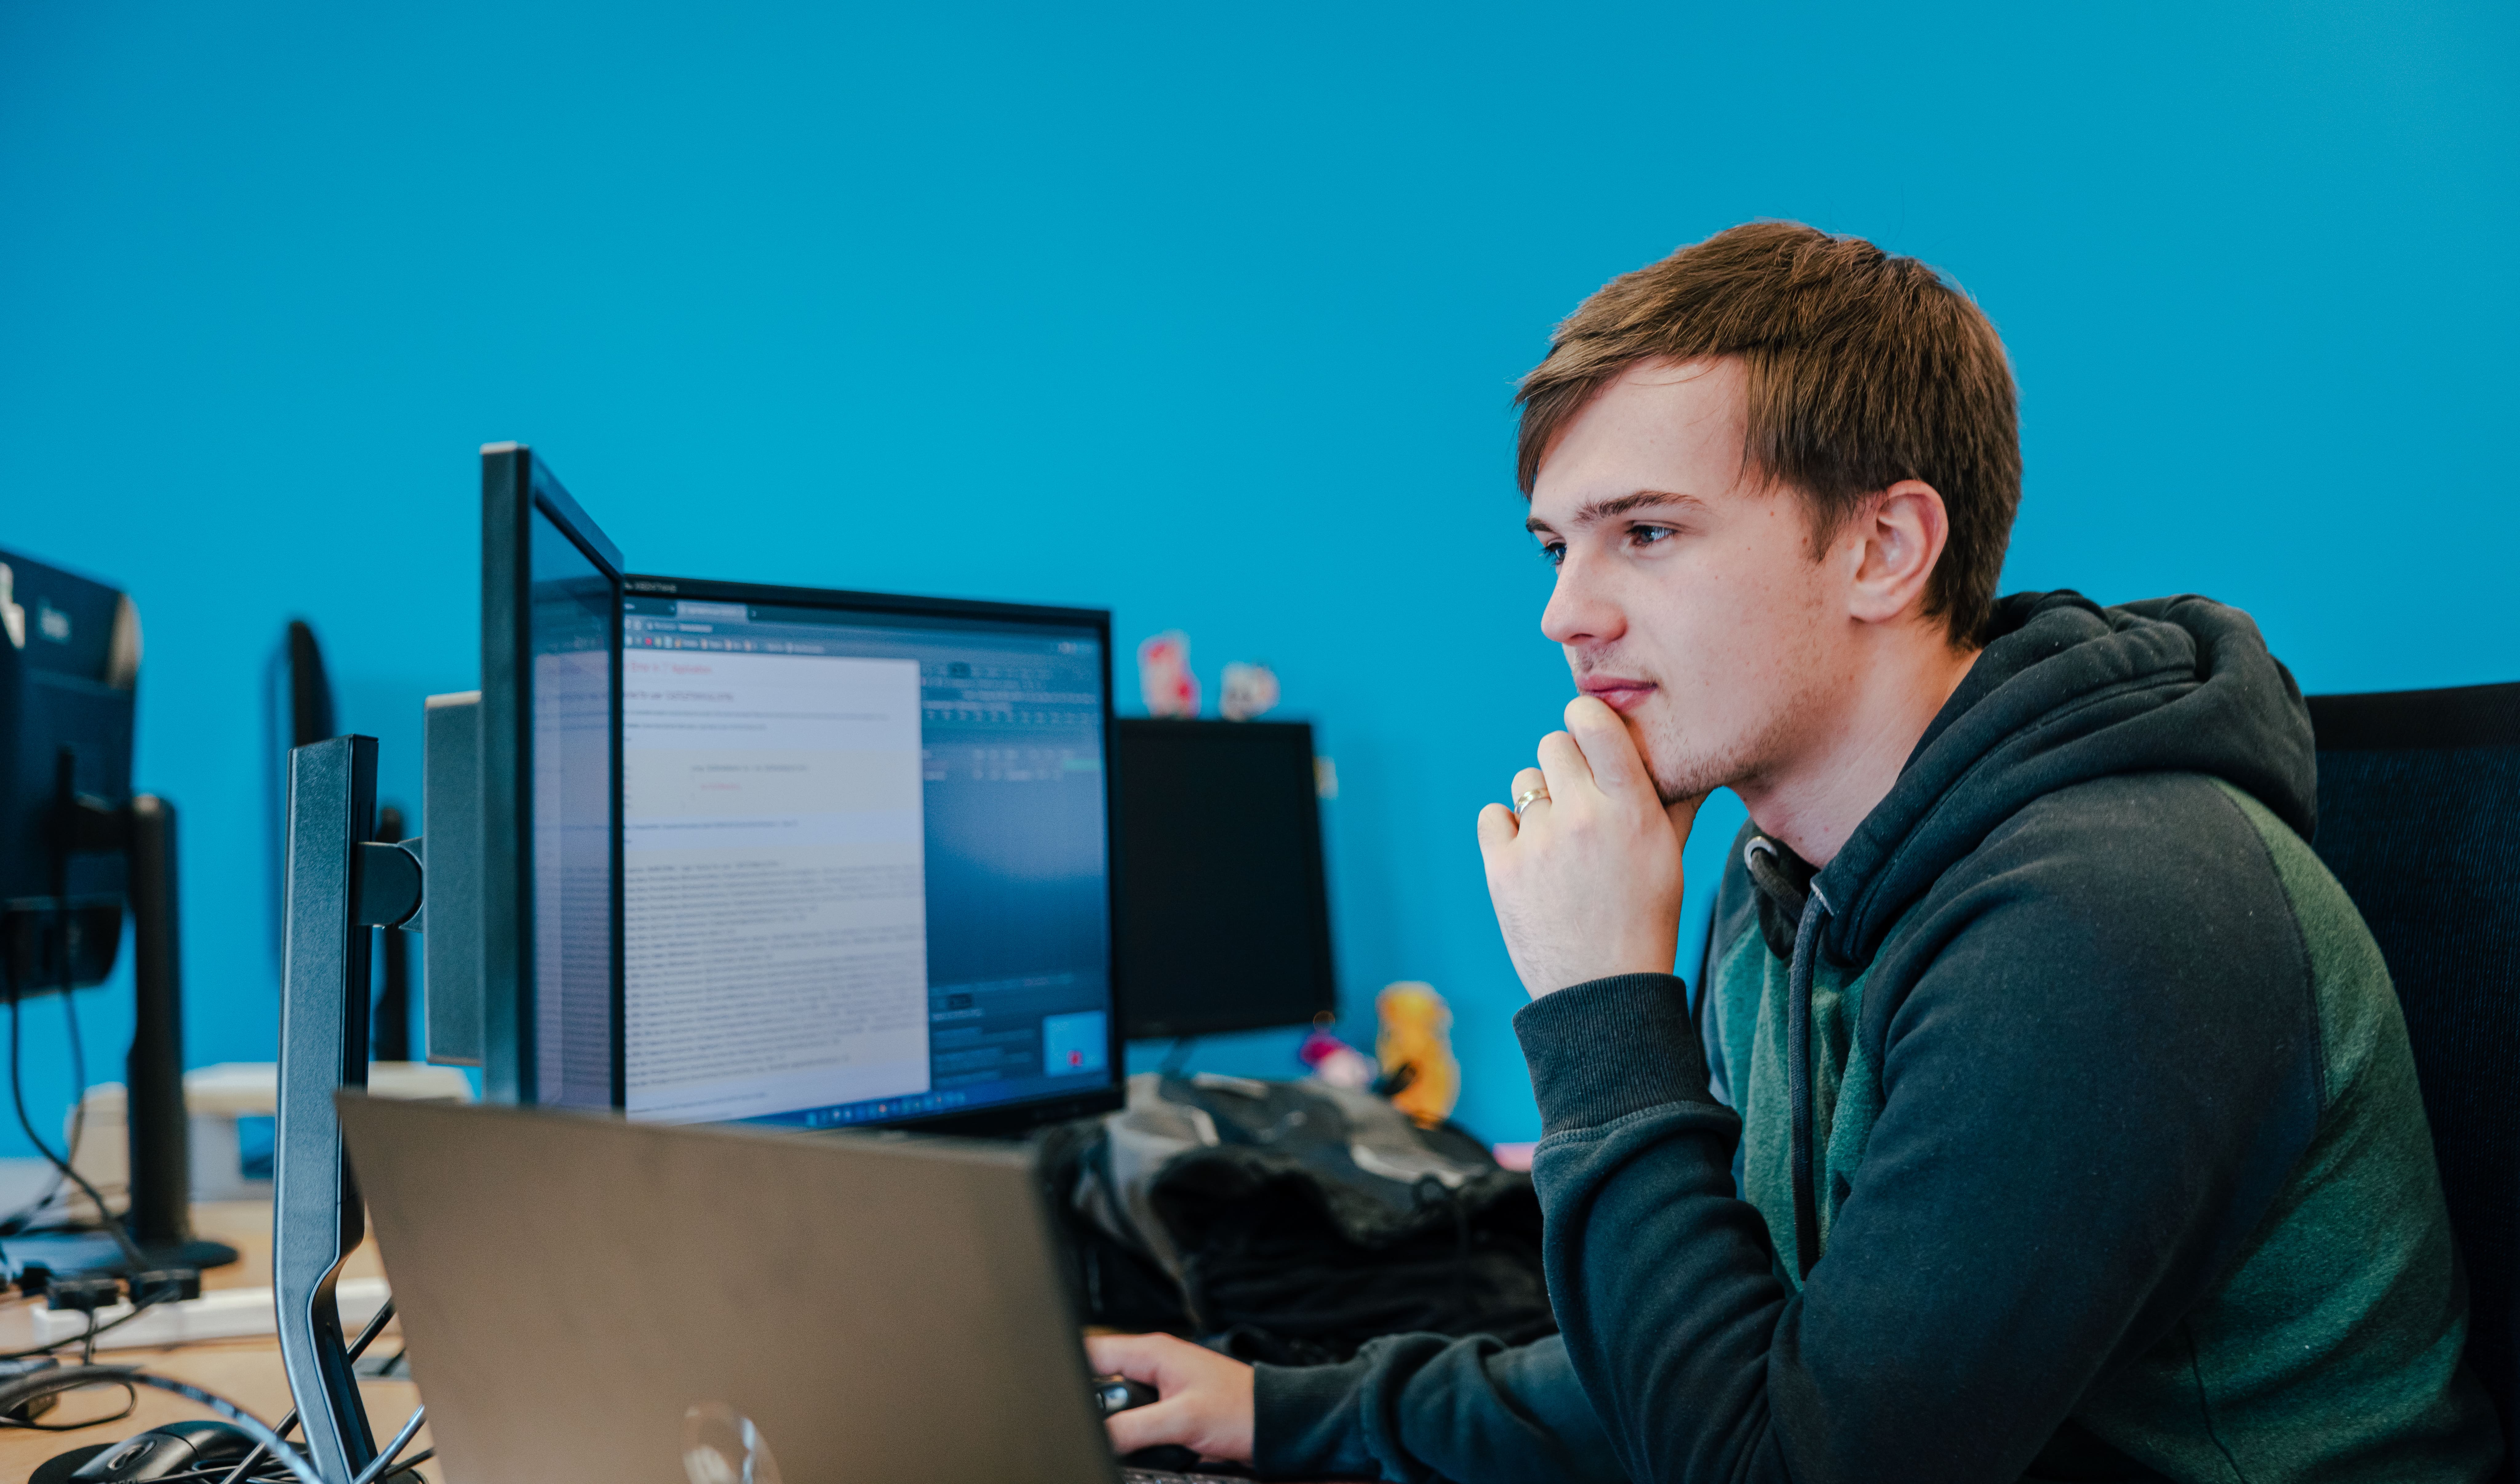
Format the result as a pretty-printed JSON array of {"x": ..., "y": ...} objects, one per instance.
[
  {"x": 1553, "y": 553},
  {"x": 1648, "y": 535}
]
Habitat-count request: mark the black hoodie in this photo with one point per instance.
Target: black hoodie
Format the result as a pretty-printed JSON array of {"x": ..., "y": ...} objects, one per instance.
[{"x": 2062, "y": 1127}]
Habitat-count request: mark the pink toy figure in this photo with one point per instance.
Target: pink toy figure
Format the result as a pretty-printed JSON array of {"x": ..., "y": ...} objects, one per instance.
[
  {"x": 1334, "y": 1061},
  {"x": 1249, "y": 691},
  {"x": 1164, "y": 679}
]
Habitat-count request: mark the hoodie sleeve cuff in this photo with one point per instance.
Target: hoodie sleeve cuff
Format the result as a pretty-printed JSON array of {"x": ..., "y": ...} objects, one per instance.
[
  {"x": 1609, "y": 1047},
  {"x": 1307, "y": 1422}
]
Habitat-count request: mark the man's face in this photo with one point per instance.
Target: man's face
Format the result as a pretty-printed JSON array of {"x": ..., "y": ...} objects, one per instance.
[{"x": 1687, "y": 595}]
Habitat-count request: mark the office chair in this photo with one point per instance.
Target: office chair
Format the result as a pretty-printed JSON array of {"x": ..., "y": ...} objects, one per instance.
[{"x": 2419, "y": 819}]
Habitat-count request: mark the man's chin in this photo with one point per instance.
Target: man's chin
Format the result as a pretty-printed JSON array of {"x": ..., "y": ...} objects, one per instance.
[
  {"x": 1681, "y": 768},
  {"x": 1680, "y": 775}
]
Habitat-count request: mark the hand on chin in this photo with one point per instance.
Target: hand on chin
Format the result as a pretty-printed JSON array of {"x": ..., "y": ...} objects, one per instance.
[{"x": 1586, "y": 880}]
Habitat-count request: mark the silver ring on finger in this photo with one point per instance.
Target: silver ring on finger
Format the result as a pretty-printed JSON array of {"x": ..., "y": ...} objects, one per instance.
[{"x": 1528, "y": 797}]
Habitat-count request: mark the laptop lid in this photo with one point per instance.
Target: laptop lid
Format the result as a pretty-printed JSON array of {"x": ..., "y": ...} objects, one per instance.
[{"x": 586, "y": 1298}]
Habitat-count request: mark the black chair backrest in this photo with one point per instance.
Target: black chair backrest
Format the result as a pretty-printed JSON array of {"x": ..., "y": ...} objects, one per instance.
[{"x": 2420, "y": 818}]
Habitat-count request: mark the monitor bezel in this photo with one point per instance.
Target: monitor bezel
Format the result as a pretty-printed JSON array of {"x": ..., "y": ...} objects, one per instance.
[
  {"x": 1297, "y": 733},
  {"x": 1004, "y": 1119},
  {"x": 514, "y": 484}
]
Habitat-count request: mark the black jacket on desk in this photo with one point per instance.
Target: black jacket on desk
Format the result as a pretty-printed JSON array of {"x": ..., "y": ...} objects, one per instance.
[{"x": 2104, "y": 1161}]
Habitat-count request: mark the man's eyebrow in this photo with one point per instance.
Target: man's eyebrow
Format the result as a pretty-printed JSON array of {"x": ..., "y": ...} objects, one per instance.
[{"x": 1605, "y": 509}]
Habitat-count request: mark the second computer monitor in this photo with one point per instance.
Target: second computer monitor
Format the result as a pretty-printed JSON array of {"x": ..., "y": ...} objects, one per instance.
[
  {"x": 866, "y": 865},
  {"x": 550, "y": 926},
  {"x": 1224, "y": 911}
]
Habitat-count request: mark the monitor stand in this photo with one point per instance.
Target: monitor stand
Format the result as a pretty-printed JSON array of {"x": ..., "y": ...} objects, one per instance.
[
  {"x": 159, "y": 1219},
  {"x": 341, "y": 883},
  {"x": 96, "y": 1253}
]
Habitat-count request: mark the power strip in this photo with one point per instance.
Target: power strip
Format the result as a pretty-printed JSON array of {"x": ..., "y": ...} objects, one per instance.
[{"x": 218, "y": 1315}]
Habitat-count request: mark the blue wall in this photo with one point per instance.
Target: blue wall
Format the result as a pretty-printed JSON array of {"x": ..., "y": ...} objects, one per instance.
[{"x": 1208, "y": 314}]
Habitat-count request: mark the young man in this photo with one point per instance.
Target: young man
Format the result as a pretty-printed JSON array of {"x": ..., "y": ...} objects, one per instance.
[{"x": 2046, "y": 1113}]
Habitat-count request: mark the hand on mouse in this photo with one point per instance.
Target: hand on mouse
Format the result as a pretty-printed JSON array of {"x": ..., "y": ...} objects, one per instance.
[{"x": 1206, "y": 1403}]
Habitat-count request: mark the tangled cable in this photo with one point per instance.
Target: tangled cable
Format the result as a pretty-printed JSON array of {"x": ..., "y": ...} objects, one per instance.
[{"x": 41, "y": 1383}]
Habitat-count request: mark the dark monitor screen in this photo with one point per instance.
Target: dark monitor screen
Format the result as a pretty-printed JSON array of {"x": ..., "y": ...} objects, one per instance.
[
  {"x": 866, "y": 859},
  {"x": 1224, "y": 910},
  {"x": 550, "y": 704},
  {"x": 70, "y": 658}
]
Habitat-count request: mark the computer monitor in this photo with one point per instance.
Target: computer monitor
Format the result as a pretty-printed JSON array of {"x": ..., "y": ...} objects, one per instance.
[
  {"x": 868, "y": 875},
  {"x": 76, "y": 847},
  {"x": 298, "y": 709},
  {"x": 69, "y": 663},
  {"x": 549, "y": 791},
  {"x": 310, "y": 690},
  {"x": 1225, "y": 921}
]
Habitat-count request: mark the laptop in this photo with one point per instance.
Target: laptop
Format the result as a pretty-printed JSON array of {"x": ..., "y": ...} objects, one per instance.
[{"x": 586, "y": 1298}]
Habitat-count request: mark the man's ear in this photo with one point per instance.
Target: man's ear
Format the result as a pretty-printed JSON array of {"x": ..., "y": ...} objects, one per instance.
[{"x": 1902, "y": 532}]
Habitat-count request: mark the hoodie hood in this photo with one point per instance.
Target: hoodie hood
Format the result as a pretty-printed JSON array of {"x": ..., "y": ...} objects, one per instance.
[{"x": 2065, "y": 691}]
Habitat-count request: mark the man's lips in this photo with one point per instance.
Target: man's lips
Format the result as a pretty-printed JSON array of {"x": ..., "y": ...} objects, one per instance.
[{"x": 1622, "y": 694}]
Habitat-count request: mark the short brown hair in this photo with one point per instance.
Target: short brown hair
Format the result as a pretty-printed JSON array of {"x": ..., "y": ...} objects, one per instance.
[{"x": 1863, "y": 370}]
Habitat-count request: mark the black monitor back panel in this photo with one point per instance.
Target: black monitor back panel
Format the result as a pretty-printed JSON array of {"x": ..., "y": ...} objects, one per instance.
[
  {"x": 69, "y": 660},
  {"x": 1224, "y": 907}
]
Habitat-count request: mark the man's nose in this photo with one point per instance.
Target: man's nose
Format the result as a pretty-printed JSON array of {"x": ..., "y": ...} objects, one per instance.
[{"x": 1579, "y": 610}]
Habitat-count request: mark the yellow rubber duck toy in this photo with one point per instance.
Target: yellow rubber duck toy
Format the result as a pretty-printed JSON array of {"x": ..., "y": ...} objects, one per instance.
[{"x": 1415, "y": 1049}]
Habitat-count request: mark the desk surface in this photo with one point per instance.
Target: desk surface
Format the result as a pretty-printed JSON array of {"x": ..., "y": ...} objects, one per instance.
[{"x": 245, "y": 1372}]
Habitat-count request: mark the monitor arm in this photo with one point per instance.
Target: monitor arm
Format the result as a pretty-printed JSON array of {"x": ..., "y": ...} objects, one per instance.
[{"x": 341, "y": 882}]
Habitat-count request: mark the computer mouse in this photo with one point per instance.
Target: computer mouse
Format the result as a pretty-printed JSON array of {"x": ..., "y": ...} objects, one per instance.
[
  {"x": 58, "y": 1468},
  {"x": 195, "y": 1443},
  {"x": 1118, "y": 1393}
]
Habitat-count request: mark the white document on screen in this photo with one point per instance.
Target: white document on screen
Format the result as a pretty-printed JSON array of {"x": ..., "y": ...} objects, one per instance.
[
  {"x": 774, "y": 929},
  {"x": 572, "y": 701}
]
